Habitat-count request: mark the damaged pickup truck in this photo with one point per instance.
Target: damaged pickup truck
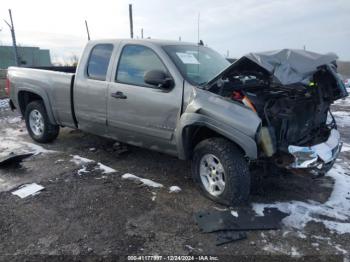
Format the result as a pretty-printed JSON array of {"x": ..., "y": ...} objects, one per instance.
[{"x": 186, "y": 100}]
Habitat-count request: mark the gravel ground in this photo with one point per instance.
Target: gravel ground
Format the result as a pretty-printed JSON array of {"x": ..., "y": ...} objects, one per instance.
[{"x": 86, "y": 212}]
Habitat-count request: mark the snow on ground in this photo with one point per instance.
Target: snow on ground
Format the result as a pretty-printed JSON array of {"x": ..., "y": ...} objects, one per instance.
[
  {"x": 144, "y": 181},
  {"x": 105, "y": 169},
  {"x": 13, "y": 142},
  {"x": 342, "y": 118},
  {"x": 4, "y": 103},
  {"x": 280, "y": 249},
  {"x": 346, "y": 147},
  {"x": 82, "y": 161},
  {"x": 234, "y": 213},
  {"x": 334, "y": 214},
  {"x": 174, "y": 189},
  {"x": 11, "y": 120},
  {"x": 78, "y": 160}
]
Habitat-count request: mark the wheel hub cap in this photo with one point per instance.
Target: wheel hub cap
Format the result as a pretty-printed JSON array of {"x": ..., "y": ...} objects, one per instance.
[
  {"x": 212, "y": 174},
  {"x": 36, "y": 122}
]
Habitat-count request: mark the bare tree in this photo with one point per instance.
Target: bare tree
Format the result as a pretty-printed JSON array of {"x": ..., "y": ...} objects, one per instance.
[{"x": 74, "y": 59}]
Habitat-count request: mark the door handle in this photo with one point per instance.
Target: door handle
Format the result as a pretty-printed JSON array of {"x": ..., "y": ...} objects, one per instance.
[{"x": 119, "y": 95}]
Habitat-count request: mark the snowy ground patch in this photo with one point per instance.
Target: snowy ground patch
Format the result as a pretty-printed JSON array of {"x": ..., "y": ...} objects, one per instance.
[
  {"x": 279, "y": 249},
  {"x": 334, "y": 214},
  {"x": 342, "y": 118},
  {"x": 83, "y": 162},
  {"x": 12, "y": 142},
  {"x": 4, "y": 103},
  {"x": 174, "y": 189},
  {"x": 145, "y": 181}
]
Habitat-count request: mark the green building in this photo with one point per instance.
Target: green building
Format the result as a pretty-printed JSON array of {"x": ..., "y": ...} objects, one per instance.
[{"x": 29, "y": 56}]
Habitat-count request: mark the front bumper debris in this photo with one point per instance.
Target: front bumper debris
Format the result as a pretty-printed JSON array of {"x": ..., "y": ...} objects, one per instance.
[{"x": 318, "y": 155}]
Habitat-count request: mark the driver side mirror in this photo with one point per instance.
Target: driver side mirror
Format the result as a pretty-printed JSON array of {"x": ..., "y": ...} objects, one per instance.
[{"x": 159, "y": 78}]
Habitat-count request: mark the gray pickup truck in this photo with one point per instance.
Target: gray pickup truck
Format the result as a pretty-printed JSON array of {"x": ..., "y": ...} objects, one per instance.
[{"x": 186, "y": 100}]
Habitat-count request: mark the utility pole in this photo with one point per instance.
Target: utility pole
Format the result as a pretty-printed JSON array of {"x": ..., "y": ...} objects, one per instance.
[
  {"x": 12, "y": 29},
  {"x": 199, "y": 15},
  {"x": 141, "y": 33},
  {"x": 87, "y": 30},
  {"x": 131, "y": 22}
]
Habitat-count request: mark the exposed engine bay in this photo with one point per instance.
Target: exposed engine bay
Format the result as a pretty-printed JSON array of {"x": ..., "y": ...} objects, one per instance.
[{"x": 294, "y": 110}]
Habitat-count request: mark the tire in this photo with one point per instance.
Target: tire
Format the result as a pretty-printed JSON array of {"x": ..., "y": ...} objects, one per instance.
[
  {"x": 46, "y": 132},
  {"x": 234, "y": 166}
]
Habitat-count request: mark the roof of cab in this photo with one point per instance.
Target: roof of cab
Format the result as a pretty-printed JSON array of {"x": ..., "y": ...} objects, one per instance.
[{"x": 158, "y": 42}]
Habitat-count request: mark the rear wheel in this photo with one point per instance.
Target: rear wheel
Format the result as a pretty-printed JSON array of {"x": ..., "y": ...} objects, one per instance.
[
  {"x": 221, "y": 172},
  {"x": 38, "y": 124}
]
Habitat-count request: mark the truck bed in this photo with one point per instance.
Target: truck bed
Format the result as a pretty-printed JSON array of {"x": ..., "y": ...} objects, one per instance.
[{"x": 53, "y": 84}]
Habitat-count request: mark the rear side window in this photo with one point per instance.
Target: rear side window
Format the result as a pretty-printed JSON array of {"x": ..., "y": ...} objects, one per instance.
[
  {"x": 134, "y": 62},
  {"x": 98, "y": 61}
]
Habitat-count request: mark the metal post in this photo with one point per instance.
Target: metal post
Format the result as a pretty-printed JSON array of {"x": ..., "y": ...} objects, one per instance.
[
  {"x": 12, "y": 29},
  {"x": 87, "y": 30},
  {"x": 141, "y": 33},
  {"x": 131, "y": 22}
]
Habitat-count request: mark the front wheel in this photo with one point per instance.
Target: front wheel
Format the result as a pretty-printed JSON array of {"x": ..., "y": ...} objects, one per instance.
[
  {"x": 221, "y": 172},
  {"x": 38, "y": 124}
]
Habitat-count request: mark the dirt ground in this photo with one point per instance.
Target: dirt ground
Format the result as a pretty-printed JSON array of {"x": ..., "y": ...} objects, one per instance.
[{"x": 99, "y": 215}]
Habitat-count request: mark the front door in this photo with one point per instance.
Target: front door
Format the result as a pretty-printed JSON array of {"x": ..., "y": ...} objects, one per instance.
[{"x": 139, "y": 113}]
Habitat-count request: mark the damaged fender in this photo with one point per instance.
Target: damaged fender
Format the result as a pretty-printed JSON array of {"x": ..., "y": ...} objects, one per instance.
[{"x": 231, "y": 120}]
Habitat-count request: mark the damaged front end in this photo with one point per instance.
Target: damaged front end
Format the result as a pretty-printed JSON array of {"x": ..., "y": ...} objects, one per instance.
[{"x": 291, "y": 91}]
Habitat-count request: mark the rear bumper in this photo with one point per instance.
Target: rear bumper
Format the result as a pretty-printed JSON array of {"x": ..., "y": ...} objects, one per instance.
[{"x": 317, "y": 156}]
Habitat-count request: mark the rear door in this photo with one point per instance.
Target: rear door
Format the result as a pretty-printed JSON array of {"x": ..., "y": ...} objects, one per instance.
[
  {"x": 142, "y": 114},
  {"x": 91, "y": 89}
]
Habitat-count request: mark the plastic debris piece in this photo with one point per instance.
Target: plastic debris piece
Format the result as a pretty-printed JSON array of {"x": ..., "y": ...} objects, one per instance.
[
  {"x": 28, "y": 190},
  {"x": 13, "y": 159},
  {"x": 224, "y": 237}
]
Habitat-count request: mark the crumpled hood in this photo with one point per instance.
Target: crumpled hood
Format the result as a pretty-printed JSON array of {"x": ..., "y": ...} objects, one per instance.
[
  {"x": 287, "y": 66},
  {"x": 291, "y": 66}
]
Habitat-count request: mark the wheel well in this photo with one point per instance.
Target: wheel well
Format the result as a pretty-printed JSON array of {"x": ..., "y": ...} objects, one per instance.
[
  {"x": 195, "y": 134},
  {"x": 24, "y": 98}
]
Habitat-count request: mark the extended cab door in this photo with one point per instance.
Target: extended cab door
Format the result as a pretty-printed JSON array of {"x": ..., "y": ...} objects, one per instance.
[
  {"x": 91, "y": 88},
  {"x": 139, "y": 113}
]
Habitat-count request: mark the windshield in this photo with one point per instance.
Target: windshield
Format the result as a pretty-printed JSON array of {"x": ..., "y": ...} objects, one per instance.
[{"x": 197, "y": 64}]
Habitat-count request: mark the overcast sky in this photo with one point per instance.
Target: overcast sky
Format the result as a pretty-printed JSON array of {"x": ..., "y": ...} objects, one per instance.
[{"x": 237, "y": 26}]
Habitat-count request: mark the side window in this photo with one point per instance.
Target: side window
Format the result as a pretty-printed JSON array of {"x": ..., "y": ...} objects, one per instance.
[
  {"x": 134, "y": 62},
  {"x": 98, "y": 61}
]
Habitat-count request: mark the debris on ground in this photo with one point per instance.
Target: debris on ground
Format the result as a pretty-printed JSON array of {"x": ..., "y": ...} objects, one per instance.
[
  {"x": 144, "y": 181},
  {"x": 174, "y": 189},
  {"x": 231, "y": 225},
  {"x": 224, "y": 237},
  {"x": 28, "y": 190},
  {"x": 211, "y": 221},
  {"x": 13, "y": 159}
]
